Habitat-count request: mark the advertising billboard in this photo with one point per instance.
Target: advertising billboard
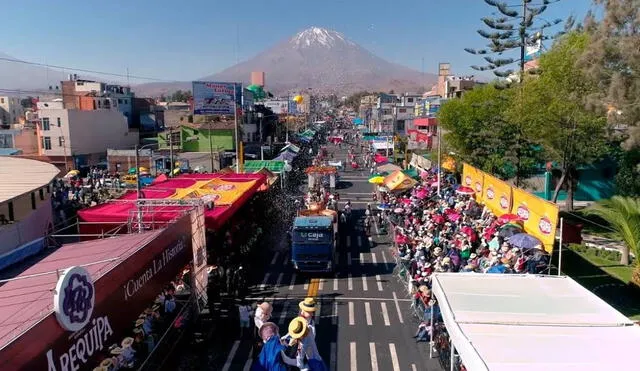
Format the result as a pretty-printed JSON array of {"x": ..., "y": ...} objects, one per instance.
[
  {"x": 216, "y": 98},
  {"x": 278, "y": 106}
]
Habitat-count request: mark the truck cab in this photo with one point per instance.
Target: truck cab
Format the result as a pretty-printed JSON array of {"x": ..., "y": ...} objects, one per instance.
[{"x": 313, "y": 243}]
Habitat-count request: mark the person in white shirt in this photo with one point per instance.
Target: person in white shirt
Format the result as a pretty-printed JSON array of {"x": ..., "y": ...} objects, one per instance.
[{"x": 244, "y": 314}]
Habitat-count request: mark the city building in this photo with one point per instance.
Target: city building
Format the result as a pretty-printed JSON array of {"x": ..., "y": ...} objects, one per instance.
[
  {"x": 257, "y": 78},
  {"x": 385, "y": 118},
  {"x": 456, "y": 86},
  {"x": 403, "y": 119},
  {"x": 11, "y": 111},
  {"x": 25, "y": 207},
  {"x": 81, "y": 137},
  {"x": 87, "y": 95}
]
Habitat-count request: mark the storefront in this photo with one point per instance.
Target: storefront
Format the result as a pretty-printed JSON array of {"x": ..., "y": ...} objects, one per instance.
[{"x": 66, "y": 311}]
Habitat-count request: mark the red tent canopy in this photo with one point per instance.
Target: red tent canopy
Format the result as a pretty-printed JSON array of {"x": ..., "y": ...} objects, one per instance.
[{"x": 109, "y": 216}]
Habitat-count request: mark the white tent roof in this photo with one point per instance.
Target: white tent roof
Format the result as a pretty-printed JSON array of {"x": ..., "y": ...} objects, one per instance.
[
  {"x": 382, "y": 145},
  {"x": 503, "y": 322}
]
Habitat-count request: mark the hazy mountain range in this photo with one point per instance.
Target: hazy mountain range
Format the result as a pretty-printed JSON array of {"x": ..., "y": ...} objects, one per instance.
[{"x": 323, "y": 60}]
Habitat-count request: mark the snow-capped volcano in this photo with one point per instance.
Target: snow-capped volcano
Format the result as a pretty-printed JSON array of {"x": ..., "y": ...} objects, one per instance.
[{"x": 316, "y": 36}]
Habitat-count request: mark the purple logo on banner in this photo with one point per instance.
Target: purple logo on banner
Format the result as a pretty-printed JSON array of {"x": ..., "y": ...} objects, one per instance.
[{"x": 78, "y": 297}]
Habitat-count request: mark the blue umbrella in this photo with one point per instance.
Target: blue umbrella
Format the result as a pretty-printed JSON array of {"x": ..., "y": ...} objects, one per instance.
[
  {"x": 524, "y": 241},
  {"x": 497, "y": 269},
  {"x": 383, "y": 207}
]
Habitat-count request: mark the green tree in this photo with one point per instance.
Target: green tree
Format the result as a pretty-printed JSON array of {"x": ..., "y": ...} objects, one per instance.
[
  {"x": 477, "y": 130},
  {"x": 613, "y": 60},
  {"x": 623, "y": 216},
  {"x": 552, "y": 105},
  {"x": 181, "y": 96},
  {"x": 515, "y": 28}
]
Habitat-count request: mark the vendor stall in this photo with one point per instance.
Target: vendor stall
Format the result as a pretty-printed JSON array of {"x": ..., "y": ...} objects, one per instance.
[{"x": 531, "y": 322}]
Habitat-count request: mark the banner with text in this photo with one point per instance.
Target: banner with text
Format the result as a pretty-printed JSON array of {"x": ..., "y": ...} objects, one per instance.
[
  {"x": 473, "y": 178},
  {"x": 496, "y": 194},
  {"x": 540, "y": 216},
  {"x": 216, "y": 98}
]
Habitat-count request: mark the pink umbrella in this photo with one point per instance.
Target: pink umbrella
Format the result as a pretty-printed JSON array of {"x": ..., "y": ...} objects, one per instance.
[
  {"x": 380, "y": 159},
  {"x": 405, "y": 201},
  {"x": 465, "y": 191},
  {"x": 422, "y": 194},
  {"x": 439, "y": 219},
  {"x": 398, "y": 210},
  {"x": 507, "y": 218},
  {"x": 434, "y": 185},
  {"x": 401, "y": 239},
  {"x": 424, "y": 175},
  {"x": 453, "y": 217}
]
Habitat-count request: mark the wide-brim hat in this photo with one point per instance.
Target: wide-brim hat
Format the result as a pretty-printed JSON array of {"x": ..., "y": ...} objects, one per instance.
[
  {"x": 267, "y": 325},
  {"x": 106, "y": 363},
  {"x": 308, "y": 305},
  {"x": 297, "y": 328},
  {"x": 100, "y": 368},
  {"x": 424, "y": 289},
  {"x": 117, "y": 351},
  {"x": 473, "y": 255},
  {"x": 127, "y": 342},
  {"x": 266, "y": 307},
  {"x": 139, "y": 322},
  {"x": 155, "y": 308}
]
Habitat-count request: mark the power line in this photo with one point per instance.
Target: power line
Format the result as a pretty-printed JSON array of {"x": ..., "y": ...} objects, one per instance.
[{"x": 84, "y": 70}]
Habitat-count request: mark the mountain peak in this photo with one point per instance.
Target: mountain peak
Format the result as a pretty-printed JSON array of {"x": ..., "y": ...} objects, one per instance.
[{"x": 318, "y": 36}]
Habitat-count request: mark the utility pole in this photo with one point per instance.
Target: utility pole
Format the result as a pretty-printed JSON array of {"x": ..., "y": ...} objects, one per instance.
[
  {"x": 235, "y": 120},
  {"x": 171, "y": 151},
  {"x": 523, "y": 39},
  {"x": 210, "y": 146},
  {"x": 138, "y": 206},
  {"x": 439, "y": 155}
]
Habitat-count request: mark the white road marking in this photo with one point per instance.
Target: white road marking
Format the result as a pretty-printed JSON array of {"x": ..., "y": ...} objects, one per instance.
[
  {"x": 375, "y": 225},
  {"x": 349, "y": 259},
  {"x": 306, "y": 284},
  {"x": 364, "y": 283},
  {"x": 374, "y": 357},
  {"x": 279, "y": 281},
  {"x": 379, "y": 282},
  {"x": 385, "y": 314},
  {"x": 334, "y": 315},
  {"x": 275, "y": 258},
  {"x": 350, "y": 282},
  {"x": 384, "y": 257},
  {"x": 413, "y": 367},
  {"x": 395, "y": 300},
  {"x": 367, "y": 313},
  {"x": 264, "y": 281},
  {"x": 352, "y": 353},
  {"x": 359, "y": 241},
  {"x": 361, "y": 258},
  {"x": 340, "y": 299},
  {"x": 318, "y": 314},
  {"x": 332, "y": 357},
  {"x": 247, "y": 365},
  {"x": 394, "y": 357},
  {"x": 283, "y": 314},
  {"x": 321, "y": 284},
  {"x": 374, "y": 259},
  {"x": 351, "y": 319},
  {"x": 335, "y": 283},
  {"x": 293, "y": 281},
  {"x": 232, "y": 354}
]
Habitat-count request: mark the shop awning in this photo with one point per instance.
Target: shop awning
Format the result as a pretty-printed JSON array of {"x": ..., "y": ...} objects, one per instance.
[
  {"x": 388, "y": 168},
  {"x": 398, "y": 181},
  {"x": 413, "y": 173},
  {"x": 508, "y": 322},
  {"x": 252, "y": 166},
  {"x": 382, "y": 145},
  {"x": 291, "y": 147}
]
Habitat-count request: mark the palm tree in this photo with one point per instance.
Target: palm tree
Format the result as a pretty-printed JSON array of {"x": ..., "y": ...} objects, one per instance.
[{"x": 623, "y": 216}]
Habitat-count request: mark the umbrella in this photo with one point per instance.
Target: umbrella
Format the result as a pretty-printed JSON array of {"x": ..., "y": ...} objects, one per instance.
[
  {"x": 434, "y": 185},
  {"x": 402, "y": 239},
  {"x": 383, "y": 189},
  {"x": 465, "y": 191},
  {"x": 524, "y": 241},
  {"x": 376, "y": 180},
  {"x": 378, "y": 159},
  {"x": 509, "y": 230},
  {"x": 405, "y": 201},
  {"x": 506, "y": 218},
  {"x": 497, "y": 269},
  {"x": 422, "y": 194},
  {"x": 439, "y": 219},
  {"x": 398, "y": 210},
  {"x": 453, "y": 217},
  {"x": 383, "y": 207}
]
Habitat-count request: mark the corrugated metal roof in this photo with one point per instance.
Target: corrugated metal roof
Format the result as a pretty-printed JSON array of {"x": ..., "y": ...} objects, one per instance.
[
  {"x": 252, "y": 166},
  {"x": 19, "y": 176}
]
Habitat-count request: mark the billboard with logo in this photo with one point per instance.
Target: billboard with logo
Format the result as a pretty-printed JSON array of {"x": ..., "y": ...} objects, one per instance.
[
  {"x": 540, "y": 216},
  {"x": 91, "y": 313},
  {"x": 473, "y": 178},
  {"x": 216, "y": 98},
  {"x": 496, "y": 194}
]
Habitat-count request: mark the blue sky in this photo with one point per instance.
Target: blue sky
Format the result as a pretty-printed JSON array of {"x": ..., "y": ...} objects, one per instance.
[{"x": 186, "y": 40}]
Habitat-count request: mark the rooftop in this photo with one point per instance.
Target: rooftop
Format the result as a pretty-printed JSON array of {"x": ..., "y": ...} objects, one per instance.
[
  {"x": 19, "y": 176},
  {"x": 27, "y": 298}
]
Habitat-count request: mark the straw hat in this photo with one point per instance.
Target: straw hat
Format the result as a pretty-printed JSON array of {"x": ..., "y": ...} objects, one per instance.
[
  {"x": 308, "y": 305},
  {"x": 116, "y": 351},
  {"x": 473, "y": 255},
  {"x": 139, "y": 322},
  {"x": 127, "y": 342},
  {"x": 269, "y": 326},
  {"x": 424, "y": 289},
  {"x": 266, "y": 307},
  {"x": 106, "y": 363},
  {"x": 297, "y": 328},
  {"x": 100, "y": 368}
]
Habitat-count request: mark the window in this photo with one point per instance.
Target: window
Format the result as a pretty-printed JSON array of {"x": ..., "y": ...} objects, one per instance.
[
  {"x": 59, "y": 121},
  {"x": 12, "y": 217},
  {"x": 403, "y": 110},
  {"x": 410, "y": 100},
  {"x": 119, "y": 101},
  {"x": 1, "y": 100},
  {"x": 45, "y": 124},
  {"x": 60, "y": 141},
  {"x": 400, "y": 125},
  {"x": 41, "y": 193},
  {"x": 33, "y": 200},
  {"x": 46, "y": 142}
]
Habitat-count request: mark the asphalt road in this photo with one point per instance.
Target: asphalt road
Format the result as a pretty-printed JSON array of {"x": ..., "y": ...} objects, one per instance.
[{"x": 364, "y": 321}]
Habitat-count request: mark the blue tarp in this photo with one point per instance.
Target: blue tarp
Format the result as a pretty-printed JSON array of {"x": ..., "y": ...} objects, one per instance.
[
  {"x": 358, "y": 121},
  {"x": 21, "y": 253}
]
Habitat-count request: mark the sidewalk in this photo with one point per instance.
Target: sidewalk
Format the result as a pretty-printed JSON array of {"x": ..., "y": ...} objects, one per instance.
[{"x": 602, "y": 242}]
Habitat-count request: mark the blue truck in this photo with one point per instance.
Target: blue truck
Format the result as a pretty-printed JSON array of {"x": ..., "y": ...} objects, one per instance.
[{"x": 313, "y": 241}]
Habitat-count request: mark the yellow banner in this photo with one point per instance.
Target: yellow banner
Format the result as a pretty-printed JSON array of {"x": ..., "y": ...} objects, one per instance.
[
  {"x": 473, "y": 178},
  {"x": 222, "y": 192},
  {"x": 540, "y": 216},
  {"x": 496, "y": 194}
]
